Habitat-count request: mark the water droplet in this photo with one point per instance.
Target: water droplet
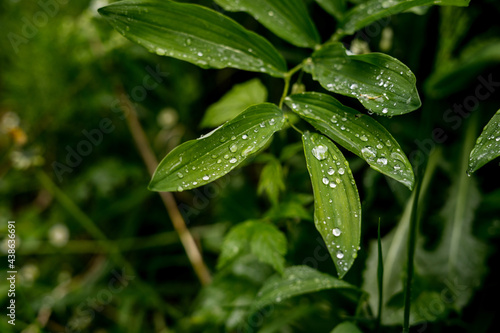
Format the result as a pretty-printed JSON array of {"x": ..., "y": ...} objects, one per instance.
[
  {"x": 200, "y": 54},
  {"x": 180, "y": 189},
  {"x": 233, "y": 148},
  {"x": 272, "y": 121},
  {"x": 340, "y": 255},
  {"x": 226, "y": 156},
  {"x": 369, "y": 153},
  {"x": 206, "y": 177},
  {"x": 270, "y": 13},
  {"x": 160, "y": 52},
  {"x": 222, "y": 139},
  {"x": 325, "y": 181},
  {"x": 333, "y": 185},
  {"x": 180, "y": 175},
  {"x": 262, "y": 124},
  {"x": 188, "y": 41},
  {"x": 331, "y": 171},
  {"x": 385, "y": 110},
  {"x": 320, "y": 152},
  {"x": 233, "y": 160},
  {"x": 354, "y": 86},
  {"x": 337, "y": 180},
  {"x": 341, "y": 171},
  {"x": 379, "y": 146},
  {"x": 336, "y": 232},
  {"x": 244, "y": 137},
  {"x": 363, "y": 138},
  {"x": 382, "y": 161}
]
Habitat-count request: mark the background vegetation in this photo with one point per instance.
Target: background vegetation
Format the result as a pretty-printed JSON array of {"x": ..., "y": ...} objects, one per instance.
[{"x": 82, "y": 230}]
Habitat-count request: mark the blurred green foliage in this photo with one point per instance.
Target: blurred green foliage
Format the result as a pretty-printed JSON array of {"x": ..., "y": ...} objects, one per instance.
[{"x": 73, "y": 71}]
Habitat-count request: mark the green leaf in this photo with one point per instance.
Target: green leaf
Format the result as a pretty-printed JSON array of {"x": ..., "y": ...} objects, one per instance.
[
  {"x": 296, "y": 280},
  {"x": 240, "y": 97},
  {"x": 356, "y": 132},
  {"x": 337, "y": 210},
  {"x": 288, "y": 19},
  {"x": 373, "y": 10},
  {"x": 487, "y": 146},
  {"x": 195, "y": 34},
  {"x": 346, "y": 327},
  {"x": 199, "y": 162},
  {"x": 264, "y": 240},
  {"x": 271, "y": 180},
  {"x": 336, "y": 8},
  {"x": 380, "y": 82}
]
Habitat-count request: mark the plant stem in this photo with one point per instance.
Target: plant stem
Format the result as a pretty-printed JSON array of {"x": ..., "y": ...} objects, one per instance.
[
  {"x": 380, "y": 279},
  {"x": 287, "y": 79},
  {"x": 412, "y": 237},
  {"x": 187, "y": 240}
]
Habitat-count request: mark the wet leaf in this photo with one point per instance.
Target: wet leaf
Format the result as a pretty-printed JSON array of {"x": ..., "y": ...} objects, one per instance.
[
  {"x": 288, "y": 19},
  {"x": 487, "y": 146},
  {"x": 356, "y": 132},
  {"x": 296, "y": 280},
  {"x": 199, "y": 162},
  {"x": 193, "y": 33},
  {"x": 336, "y": 8},
  {"x": 337, "y": 209},
  {"x": 264, "y": 240},
  {"x": 373, "y": 10},
  {"x": 380, "y": 82},
  {"x": 240, "y": 97}
]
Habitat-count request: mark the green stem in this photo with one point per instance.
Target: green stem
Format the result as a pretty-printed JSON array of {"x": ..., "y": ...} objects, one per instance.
[
  {"x": 287, "y": 79},
  {"x": 412, "y": 238},
  {"x": 380, "y": 279}
]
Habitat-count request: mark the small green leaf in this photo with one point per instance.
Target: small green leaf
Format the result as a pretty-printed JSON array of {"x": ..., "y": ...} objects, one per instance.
[
  {"x": 288, "y": 19},
  {"x": 373, "y": 10},
  {"x": 356, "y": 132},
  {"x": 199, "y": 162},
  {"x": 337, "y": 210},
  {"x": 271, "y": 180},
  {"x": 346, "y": 327},
  {"x": 487, "y": 146},
  {"x": 336, "y": 8},
  {"x": 380, "y": 82},
  {"x": 240, "y": 97},
  {"x": 195, "y": 34},
  {"x": 264, "y": 240},
  {"x": 296, "y": 280}
]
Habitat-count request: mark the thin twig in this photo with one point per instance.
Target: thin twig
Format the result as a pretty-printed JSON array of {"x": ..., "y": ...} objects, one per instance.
[{"x": 187, "y": 240}]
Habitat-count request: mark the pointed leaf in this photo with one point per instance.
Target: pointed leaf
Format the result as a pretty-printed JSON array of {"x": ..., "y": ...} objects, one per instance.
[
  {"x": 264, "y": 240},
  {"x": 288, "y": 19},
  {"x": 373, "y": 10},
  {"x": 346, "y": 327},
  {"x": 337, "y": 210},
  {"x": 193, "y": 33},
  {"x": 336, "y": 8},
  {"x": 271, "y": 180},
  {"x": 296, "y": 280},
  {"x": 356, "y": 132},
  {"x": 380, "y": 82},
  {"x": 240, "y": 97},
  {"x": 199, "y": 162},
  {"x": 487, "y": 146}
]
